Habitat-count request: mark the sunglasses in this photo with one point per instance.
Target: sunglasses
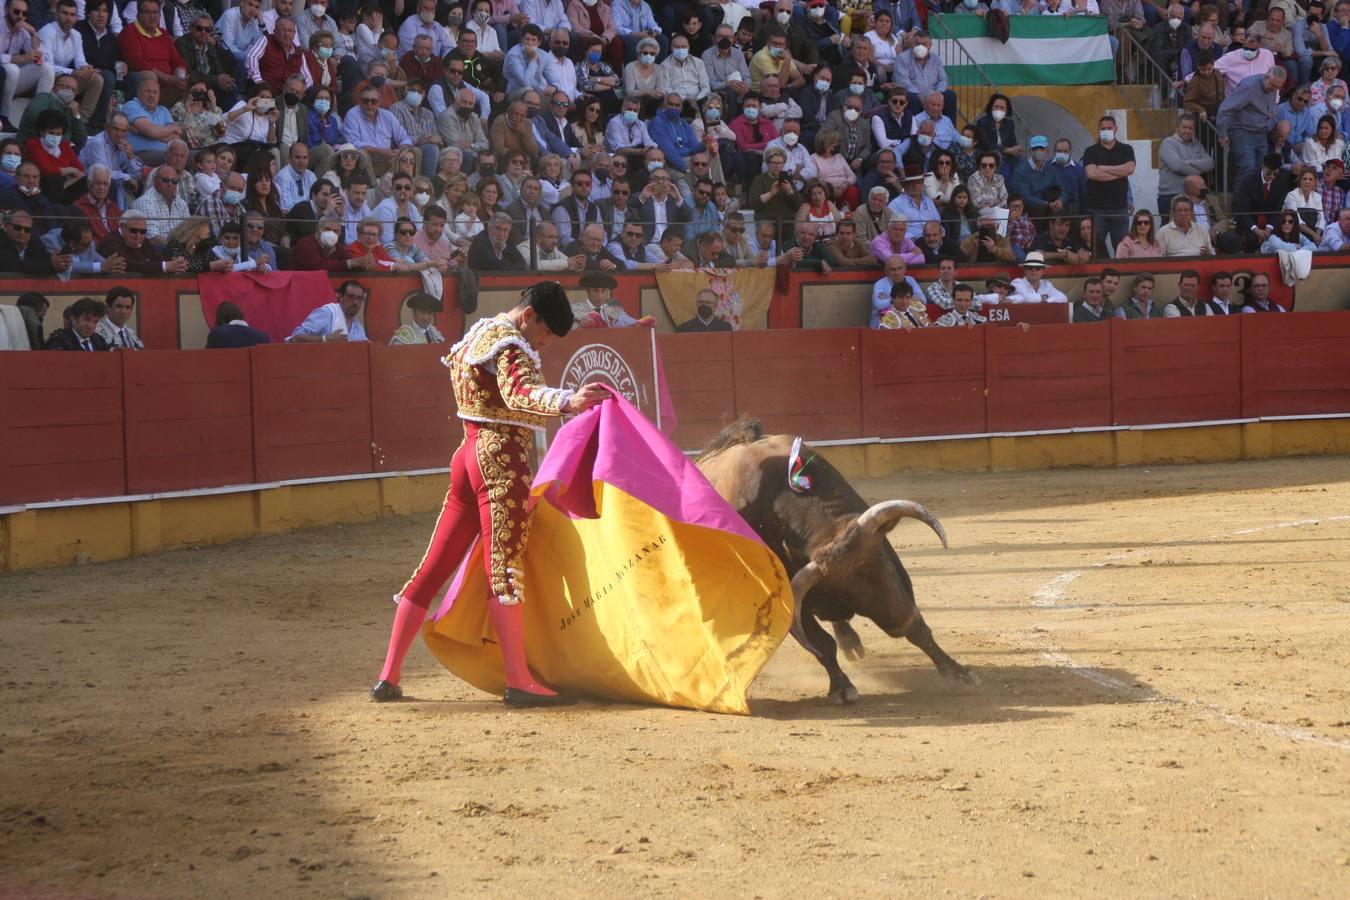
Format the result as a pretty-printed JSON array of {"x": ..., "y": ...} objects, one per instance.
[
  {"x": 898, "y": 102},
  {"x": 370, "y": 101},
  {"x": 201, "y": 28},
  {"x": 988, "y": 166},
  {"x": 560, "y": 103},
  {"x": 22, "y": 229},
  {"x": 406, "y": 232},
  {"x": 131, "y": 230}
]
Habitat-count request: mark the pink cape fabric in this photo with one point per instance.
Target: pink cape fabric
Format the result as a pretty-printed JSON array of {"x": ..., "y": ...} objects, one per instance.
[
  {"x": 274, "y": 302},
  {"x": 616, "y": 444}
]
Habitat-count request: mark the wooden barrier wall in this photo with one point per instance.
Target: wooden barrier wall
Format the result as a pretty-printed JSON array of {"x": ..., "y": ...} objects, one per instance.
[
  {"x": 168, "y": 313},
  {"x": 94, "y": 425}
]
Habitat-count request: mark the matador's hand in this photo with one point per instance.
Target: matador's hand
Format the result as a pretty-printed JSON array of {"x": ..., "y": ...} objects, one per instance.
[{"x": 588, "y": 396}]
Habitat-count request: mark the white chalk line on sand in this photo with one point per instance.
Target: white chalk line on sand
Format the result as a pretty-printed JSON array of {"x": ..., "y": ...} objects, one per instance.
[{"x": 1049, "y": 595}]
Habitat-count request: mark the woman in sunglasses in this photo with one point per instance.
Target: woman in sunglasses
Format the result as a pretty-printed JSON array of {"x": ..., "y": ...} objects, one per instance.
[
  {"x": 1287, "y": 235},
  {"x": 1141, "y": 242},
  {"x": 407, "y": 256}
]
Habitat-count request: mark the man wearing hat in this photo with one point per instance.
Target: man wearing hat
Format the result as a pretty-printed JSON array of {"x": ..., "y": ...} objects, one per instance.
[
  {"x": 1033, "y": 287},
  {"x": 997, "y": 290},
  {"x": 914, "y": 205},
  {"x": 422, "y": 330},
  {"x": 1036, "y": 181},
  {"x": 599, "y": 310}
]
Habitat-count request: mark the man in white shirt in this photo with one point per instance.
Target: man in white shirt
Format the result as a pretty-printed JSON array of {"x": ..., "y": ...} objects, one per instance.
[
  {"x": 1033, "y": 287},
  {"x": 115, "y": 326},
  {"x": 64, "y": 49},
  {"x": 559, "y": 71},
  {"x": 295, "y": 179},
  {"x": 356, "y": 210},
  {"x": 547, "y": 256}
]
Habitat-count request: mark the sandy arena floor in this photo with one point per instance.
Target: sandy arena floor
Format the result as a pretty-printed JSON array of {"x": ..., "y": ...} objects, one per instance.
[{"x": 1165, "y": 712}]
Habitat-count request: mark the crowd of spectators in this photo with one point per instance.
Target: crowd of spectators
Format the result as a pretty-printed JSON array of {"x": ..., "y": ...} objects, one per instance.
[{"x": 174, "y": 136}]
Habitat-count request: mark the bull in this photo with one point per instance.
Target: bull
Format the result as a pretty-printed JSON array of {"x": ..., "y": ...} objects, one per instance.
[{"x": 832, "y": 544}]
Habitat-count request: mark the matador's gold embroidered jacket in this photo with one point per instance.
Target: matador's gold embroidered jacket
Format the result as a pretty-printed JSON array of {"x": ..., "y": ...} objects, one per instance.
[{"x": 498, "y": 384}]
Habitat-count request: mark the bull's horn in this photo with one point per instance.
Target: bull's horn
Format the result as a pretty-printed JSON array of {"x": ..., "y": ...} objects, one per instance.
[
  {"x": 883, "y": 516},
  {"x": 802, "y": 582}
]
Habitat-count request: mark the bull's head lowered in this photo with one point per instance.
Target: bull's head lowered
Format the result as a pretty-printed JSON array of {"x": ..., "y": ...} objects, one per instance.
[{"x": 832, "y": 543}]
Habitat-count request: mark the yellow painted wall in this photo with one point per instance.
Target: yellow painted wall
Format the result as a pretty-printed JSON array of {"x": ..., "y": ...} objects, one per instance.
[{"x": 38, "y": 538}]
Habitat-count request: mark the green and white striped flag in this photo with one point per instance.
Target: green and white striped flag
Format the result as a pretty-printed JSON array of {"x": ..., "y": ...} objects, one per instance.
[{"x": 1040, "y": 50}]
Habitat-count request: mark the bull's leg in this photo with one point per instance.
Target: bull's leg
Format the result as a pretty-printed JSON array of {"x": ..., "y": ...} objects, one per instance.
[
  {"x": 848, "y": 640},
  {"x": 922, "y": 637},
  {"x": 823, "y": 646}
]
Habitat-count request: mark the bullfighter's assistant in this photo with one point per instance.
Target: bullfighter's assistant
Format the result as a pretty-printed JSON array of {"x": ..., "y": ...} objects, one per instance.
[{"x": 502, "y": 400}]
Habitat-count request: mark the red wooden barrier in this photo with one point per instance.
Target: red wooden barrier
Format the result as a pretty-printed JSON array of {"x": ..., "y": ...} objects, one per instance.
[
  {"x": 702, "y": 381},
  {"x": 803, "y": 382},
  {"x": 1175, "y": 370},
  {"x": 311, "y": 410},
  {"x": 1054, "y": 376},
  {"x": 413, "y": 419},
  {"x": 1297, "y": 364},
  {"x": 62, "y": 432},
  {"x": 189, "y": 419},
  {"x": 916, "y": 383}
]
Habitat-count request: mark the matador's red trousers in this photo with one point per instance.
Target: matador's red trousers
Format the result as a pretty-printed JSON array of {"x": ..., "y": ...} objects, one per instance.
[{"x": 489, "y": 493}]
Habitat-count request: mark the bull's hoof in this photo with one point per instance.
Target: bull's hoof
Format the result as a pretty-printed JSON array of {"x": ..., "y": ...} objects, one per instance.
[
  {"x": 961, "y": 673},
  {"x": 852, "y": 646},
  {"x": 844, "y": 696}
]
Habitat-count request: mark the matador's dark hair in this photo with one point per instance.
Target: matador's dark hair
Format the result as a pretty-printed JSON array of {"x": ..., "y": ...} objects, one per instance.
[{"x": 549, "y": 302}]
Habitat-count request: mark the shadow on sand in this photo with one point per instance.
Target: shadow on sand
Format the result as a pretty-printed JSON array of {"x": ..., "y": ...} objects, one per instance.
[{"x": 918, "y": 696}]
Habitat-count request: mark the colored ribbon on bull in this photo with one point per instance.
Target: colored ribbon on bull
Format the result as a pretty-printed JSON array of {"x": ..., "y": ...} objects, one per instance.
[
  {"x": 798, "y": 481},
  {"x": 641, "y": 583}
]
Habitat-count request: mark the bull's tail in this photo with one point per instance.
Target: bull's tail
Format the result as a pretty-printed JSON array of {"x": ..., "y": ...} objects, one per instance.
[{"x": 741, "y": 431}]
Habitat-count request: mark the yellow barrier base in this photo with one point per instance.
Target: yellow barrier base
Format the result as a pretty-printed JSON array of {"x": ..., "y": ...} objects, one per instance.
[{"x": 97, "y": 532}]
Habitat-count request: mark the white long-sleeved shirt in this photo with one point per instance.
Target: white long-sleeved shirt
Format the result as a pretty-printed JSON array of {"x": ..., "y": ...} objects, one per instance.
[{"x": 65, "y": 50}]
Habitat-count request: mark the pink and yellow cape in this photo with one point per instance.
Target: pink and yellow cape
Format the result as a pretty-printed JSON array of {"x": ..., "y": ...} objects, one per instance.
[{"x": 641, "y": 583}]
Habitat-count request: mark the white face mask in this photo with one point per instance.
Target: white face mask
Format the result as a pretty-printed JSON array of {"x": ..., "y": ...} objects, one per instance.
[
  {"x": 328, "y": 239},
  {"x": 790, "y": 138},
  {"x": 1174, "y": 24},
  {"x": 783, "y": 18},
  {"x": 998, "y": 115},
  {"x": 1337, "y": 102},
  {"x": 920, "y": 51},
  {"x": 422, "y": 199},
  {"x": 816, "y": 12},
  {"x": 851, "y": 115}
]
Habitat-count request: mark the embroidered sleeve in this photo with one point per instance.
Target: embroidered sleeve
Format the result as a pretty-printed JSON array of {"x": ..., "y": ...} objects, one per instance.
[{"x": 522, "y": 384}]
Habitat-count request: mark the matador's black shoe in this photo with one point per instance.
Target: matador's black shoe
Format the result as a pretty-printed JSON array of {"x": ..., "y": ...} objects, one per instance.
[
  {"x": 519, "y": 698},
  {"x": 383, "y": 692}
]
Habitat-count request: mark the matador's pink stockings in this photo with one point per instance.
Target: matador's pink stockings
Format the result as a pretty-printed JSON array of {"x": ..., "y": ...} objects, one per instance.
[{"x": 508, "y": 621}]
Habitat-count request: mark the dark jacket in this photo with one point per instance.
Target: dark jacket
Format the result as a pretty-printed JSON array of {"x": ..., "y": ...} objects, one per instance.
[
  {"x": 143, "y": 260},
  {"x": 100, "y": 53},
  {"x": 64, "y": 339},
  {"x": 35, "y": 260},
  {"x": 216, "y": 60},
  {"x": 1251, "y": 199},
  {"x": 228, "y": 337},
  {"x": 695, "y": 326},
  {"x": 482, "y": 259},
  {"x": 990, "y": 135}
]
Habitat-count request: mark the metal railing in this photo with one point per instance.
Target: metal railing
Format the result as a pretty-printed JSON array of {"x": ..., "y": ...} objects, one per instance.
[
  {"x": 971, "y": 95},
  {"x": 1135, "y": 67}
]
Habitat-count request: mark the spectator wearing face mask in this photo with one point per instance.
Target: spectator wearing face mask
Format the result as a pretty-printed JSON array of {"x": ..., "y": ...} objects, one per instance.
[
  {"x": 323, "y": 251},
  {"x": 61, "y": 172}
]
